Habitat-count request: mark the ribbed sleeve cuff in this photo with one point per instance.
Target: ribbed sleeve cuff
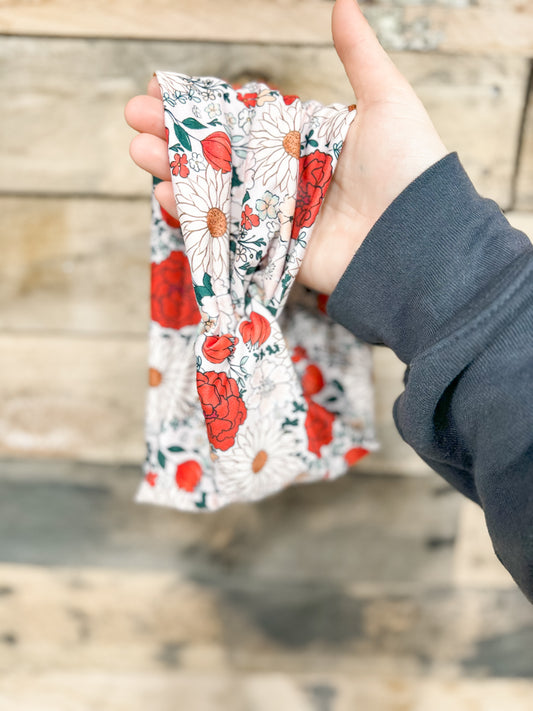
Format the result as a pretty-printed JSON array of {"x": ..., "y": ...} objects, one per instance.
[{"x": 432, "y": 254}]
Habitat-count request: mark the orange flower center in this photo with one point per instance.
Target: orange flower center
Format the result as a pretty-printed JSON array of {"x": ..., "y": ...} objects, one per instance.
[
  {"x": 291, "y": 143},
  {"x": 260, "y": 460},
  {"x": 154, "y": 377},
  {"x": 216, "y": 222},
  {"x": 352, "y": 107}
]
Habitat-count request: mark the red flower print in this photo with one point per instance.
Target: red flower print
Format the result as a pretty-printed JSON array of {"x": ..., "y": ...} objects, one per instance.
[
  {"x": 256, "y": 330},
  {"x": 217, "y": 151},
  {"x": 289, "y": 98},
  {"x": 248, "y": 219},
  {"x": 319, "y": 426},
  {"x": 223, "y": 408},
  {"x": 321, "y": 302},
  {"x": 312, "y": 380},
  {"x": 218, "y": 348},
  {"x": 315, "y": 175},
  {"x": 166, "y": 133},
  {"x": 172, "y": 302},
  {"x": 151, "y": 478},
  {"x": 188, "y": 474},
  {"x": 354, "y": 455},
  {"x": 167, "y": 217},
  {"x": 249, "y": 100},
  {"x": 298, "y": 353},
  {"x": 179, "y": 165}
]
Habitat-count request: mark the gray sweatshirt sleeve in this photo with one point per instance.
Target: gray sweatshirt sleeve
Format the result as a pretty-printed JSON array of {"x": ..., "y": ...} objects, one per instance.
[{"x": 445, "y": 281}]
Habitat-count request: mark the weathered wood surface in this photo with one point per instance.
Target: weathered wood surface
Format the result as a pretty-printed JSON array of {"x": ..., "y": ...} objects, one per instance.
[
  {"x": 204, "y": 691},
  {"x": 409, "y": 523},
  {"x": 475, "y": 563},
  {"x": 74, "y": 296},
  {"x": 81, "y": 266},
  {"x": 75, "y": 265},
  {"x": 63, "y": 131},
  {"x": 82, "y": 395},
  {"x": 524, "y": 182},
  {"x": 344, "y": 592},
  {"x": 74, "y": 345},
  {"x": 77, "y": 396},
  {"x": 452, "y": 26},
  {"x": 522, "y": 221}
]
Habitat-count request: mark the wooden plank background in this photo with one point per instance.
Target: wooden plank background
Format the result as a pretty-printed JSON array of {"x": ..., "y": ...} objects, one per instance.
[
  {"x": 379, "y": 591},
  {"x": 449, "y": 26},
  {"x": 74, "y": 283}
]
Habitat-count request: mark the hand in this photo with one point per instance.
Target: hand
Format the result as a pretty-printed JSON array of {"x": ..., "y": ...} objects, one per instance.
[{"x": 390, "y": 142}]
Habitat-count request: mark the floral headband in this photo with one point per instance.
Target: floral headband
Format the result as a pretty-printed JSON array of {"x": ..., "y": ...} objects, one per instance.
[{"x": 252, "y": 386}]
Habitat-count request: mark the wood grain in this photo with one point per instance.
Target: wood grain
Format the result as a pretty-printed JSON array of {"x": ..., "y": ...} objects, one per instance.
[
  {"x": 74, "y": 345},
  {"x": 72, "y": 620},
  {"x": 492, "y": 29},
  {"x": 75, "y": 265},
  {"x": 82, "y": 395},
  {"x": 202, "y": 690},
  {"x": 63, "y": 131},
  {"x": 78, "y": 397},
  {"x": 284, "y": 538},
  {"x": 524, "y": 182},
  {"x": 475, "y": 562}
]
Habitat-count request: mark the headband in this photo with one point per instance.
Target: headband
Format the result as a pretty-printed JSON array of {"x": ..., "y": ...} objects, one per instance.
[{"x": 252, "y": 387}]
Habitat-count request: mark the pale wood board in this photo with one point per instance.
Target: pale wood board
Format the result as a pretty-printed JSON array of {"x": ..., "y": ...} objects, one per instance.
[
  {"x": 83, "y": 395},
  {"x": 522, "y": 220},
  {"x": 77, "y": 388},
  {"x": 81, "y": 265},
  {"x": 73, "y": 396},
  {"x": 475, "y": 561},
  {"x": 75, "y": 265},
  {"x": 495, "y": 28},
  {"x": 64, "y": 131},
  {"x": 524, "y": 183},
  {"x": 71, "y": 621},
  {"x": 362, "y": 532},
  {"x": 199, "y": 691}
]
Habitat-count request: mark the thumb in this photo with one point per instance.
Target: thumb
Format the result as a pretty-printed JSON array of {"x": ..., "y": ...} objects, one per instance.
[{"x": 371, "y": 72}]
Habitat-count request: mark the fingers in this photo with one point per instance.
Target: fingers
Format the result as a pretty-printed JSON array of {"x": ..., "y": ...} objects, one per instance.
[
  {"x": 149, "y": 149},
  {"x": 164, "y": 194},
  {"x": 146, "y": 115},
  {"x": 371, "y": 72},
  {"x": 153, "y": 88},
  {"x": 151, "y": 154}
]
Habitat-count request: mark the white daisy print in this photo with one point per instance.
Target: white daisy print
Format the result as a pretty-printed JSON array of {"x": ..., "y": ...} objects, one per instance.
[
  {"x": 203, "y": 206},
  {"x": 261, "y": 462},
  {"x": 333, "y": 124},
  {"x": 276, "y": 145},
  {"x": 271, "y": 384},
  {"x": 242, "y": 154},
  {"x": 171, "y": 376}
]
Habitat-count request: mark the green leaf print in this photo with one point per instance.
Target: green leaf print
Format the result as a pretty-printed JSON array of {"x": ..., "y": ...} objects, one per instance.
[
  {"x": 235, "y": 180},
  {"x": 205, "y": 290},
  {"x": 182, "y": 136},
  {"x": 193, "y": 123}
]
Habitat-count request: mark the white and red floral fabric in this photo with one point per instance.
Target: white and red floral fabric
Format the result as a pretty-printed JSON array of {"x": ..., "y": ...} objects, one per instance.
[{"x": 252, "y": 386}]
